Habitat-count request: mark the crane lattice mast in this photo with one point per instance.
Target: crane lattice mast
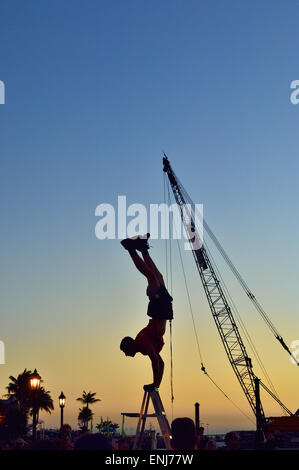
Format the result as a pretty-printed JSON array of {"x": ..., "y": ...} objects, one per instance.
[{"x": 221, "y": 311}]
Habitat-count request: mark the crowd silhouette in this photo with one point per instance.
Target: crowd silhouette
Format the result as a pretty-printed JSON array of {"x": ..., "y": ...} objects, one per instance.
[{"x": 184, "y": 437}]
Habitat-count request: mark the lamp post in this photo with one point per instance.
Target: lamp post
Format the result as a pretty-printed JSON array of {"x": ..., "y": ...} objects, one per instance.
[
  {"x": 35, "y": 379},
  {"x": 61, "y": 404},
  {"x": 197, "y": 419}
]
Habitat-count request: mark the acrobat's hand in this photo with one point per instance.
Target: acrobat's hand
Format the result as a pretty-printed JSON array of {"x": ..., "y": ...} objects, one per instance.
[{"x": 149, "y": 388}]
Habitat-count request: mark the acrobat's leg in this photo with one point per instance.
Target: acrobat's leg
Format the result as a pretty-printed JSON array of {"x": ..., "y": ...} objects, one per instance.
[
  {"x": 144, "y": 268},
  {"x": 151, "y": 265}
]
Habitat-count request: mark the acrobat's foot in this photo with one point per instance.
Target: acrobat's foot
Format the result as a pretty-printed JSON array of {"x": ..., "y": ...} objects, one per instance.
[
  {"x": 139, "y": 243},
  {"x": 128, "y": 244},
  {"x": 149, "y": 388}
]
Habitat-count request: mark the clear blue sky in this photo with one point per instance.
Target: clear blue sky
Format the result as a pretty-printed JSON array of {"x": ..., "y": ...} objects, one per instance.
[{"x": 95, "y": 90}]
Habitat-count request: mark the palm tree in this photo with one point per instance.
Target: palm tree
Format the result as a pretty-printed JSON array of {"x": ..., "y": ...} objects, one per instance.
[
  {"x": 88, "y": 398},
  {"x": 84, "y": 416},
  {"x": 42, "y": 401},
  {"x": 107, "y": 426},
  {"x": 19, "y": 389},
  {"x": 27, "y": 399}
]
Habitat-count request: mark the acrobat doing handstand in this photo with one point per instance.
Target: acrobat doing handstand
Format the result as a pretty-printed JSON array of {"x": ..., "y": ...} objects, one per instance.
[{"x": 149, "y": 341}]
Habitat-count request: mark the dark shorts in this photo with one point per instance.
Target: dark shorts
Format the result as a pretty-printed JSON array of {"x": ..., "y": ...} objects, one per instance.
[{"x": 160, "y": 304}]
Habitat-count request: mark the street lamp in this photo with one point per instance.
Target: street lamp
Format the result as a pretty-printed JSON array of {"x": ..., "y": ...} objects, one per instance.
[
  {"x": 62, "y": 405},
  {"x": 197, "y": 419},
  {"x": 35, "y": 379}
]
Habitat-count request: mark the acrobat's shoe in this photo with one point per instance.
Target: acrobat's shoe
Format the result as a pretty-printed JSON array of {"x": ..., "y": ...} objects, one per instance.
[
  {"x": 150, "y": 388},
  {"x": 128, "y": 244},
  {"x": 139, "y": 243}
]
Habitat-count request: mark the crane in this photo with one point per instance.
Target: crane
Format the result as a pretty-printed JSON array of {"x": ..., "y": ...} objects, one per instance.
[{"x": 221, "y": 310}]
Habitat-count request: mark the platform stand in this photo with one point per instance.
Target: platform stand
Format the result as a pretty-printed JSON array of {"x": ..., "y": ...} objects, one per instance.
[{"x": 153, "y": 395}]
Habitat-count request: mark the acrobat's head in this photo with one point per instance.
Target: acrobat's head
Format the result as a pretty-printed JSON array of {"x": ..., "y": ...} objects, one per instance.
[{"x": 128, "y": 346}]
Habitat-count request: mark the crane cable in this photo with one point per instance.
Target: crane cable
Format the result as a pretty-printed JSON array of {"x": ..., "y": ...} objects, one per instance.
[
  {"x": 241, "y": 323},
  {"x": 167, "y": 284},
  {"x": 194, "y": 326},
  {"x": 241, "y": 281},
  {"x": 245, "y": 331},
  {"x": 197, "y": 341}
]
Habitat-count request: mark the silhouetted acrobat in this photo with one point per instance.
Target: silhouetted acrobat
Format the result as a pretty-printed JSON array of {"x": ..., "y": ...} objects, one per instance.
[{"x": 149, "y": 341}]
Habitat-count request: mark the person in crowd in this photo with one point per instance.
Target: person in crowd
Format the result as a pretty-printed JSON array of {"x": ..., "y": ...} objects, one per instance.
[
  {"x": 201, "y": 439},
  {"x": 183, "y": 434},
  {"x": 211, "y": 445},
  {"x": 21, "y": 444},
  {"x": 92, "y": 442},
  {"x": 271, "y": 442},
  {"x": 64, "y": 438},
  {"x": 45, "y": 444},
  {"x": 123, "y": 444},
  {"x": 232, "y": 441}
]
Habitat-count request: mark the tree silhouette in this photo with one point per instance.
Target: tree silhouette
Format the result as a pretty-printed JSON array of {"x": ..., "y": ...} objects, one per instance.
[
  {"x": 84, "y": 416},
  {"x": 26, "y": 399},
  {"x": 107, "y": 426},
  {"x": 88, "y": 398},
  {"x": 19, "y": 389},
  {"x": 43, "y": 402}
]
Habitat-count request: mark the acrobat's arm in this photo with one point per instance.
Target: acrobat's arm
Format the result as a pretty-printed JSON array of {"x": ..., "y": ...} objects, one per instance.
[{"x": 158, "y": 369}]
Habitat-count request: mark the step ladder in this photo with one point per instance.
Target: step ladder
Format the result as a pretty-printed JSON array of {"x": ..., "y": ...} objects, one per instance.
[{"x": 159, "y": 414}]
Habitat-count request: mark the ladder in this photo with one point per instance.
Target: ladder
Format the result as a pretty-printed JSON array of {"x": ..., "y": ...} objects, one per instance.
[{"x": 159, "y": 414}]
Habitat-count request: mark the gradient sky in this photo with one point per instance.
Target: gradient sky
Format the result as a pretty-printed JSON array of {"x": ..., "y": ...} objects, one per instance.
[{"x": 95, "y": 90}]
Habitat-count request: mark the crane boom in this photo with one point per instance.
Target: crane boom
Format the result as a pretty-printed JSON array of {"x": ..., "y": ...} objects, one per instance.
[{"x": 221, "y": 311}]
